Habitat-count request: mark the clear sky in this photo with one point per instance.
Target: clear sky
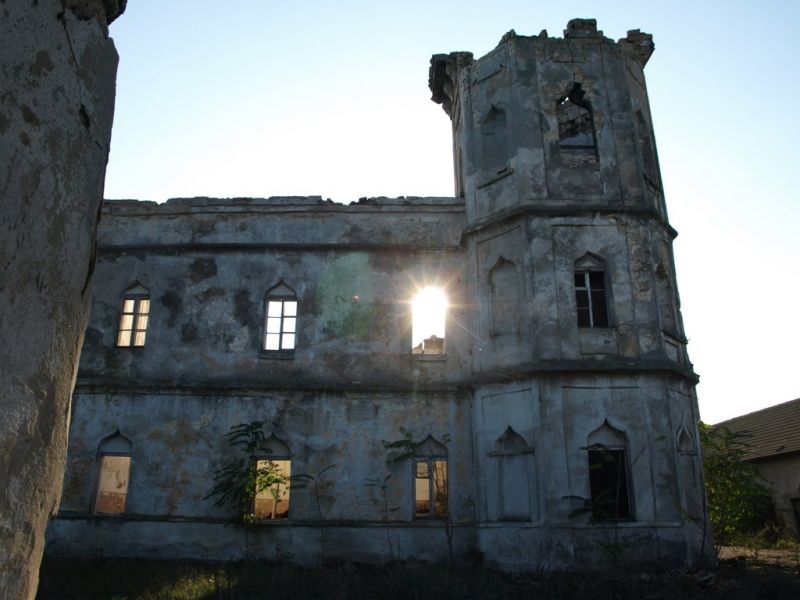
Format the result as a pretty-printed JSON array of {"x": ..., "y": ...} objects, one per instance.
[{"x": 268, "y": 98}]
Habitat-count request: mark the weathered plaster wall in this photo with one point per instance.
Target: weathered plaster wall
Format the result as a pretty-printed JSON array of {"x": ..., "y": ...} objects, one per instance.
[
  {"x": 519, "y": 390},
  {"x": 354, "y": 269},
  {"x": 57, "y": 78}
]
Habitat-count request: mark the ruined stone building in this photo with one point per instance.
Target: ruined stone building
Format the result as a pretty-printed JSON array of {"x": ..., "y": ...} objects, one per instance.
[{"x": 552, "y": 413}]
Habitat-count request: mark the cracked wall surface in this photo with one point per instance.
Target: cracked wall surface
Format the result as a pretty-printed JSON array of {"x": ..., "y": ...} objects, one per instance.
[{"x": 57, "y": 80}]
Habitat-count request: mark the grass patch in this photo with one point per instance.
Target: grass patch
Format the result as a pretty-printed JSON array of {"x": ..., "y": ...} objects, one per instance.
[{"x": 131, "y": 579}]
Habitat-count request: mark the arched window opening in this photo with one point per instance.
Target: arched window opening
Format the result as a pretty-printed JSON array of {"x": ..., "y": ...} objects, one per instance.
[
  {"x": 273, "y": 471},
  {"x": 114, "y": 455},
  {"x": 429, "y": 316},
  {"x": 280, "y": 328},
  {"x": 590, "y": 292},
  {"x": 134, "y": 316},
  {"x": 576, "y": 134},
  {"x": 608, "y": 474},
  {"x": 430, "y": 480},
  {"x": 504, "y": 298}
]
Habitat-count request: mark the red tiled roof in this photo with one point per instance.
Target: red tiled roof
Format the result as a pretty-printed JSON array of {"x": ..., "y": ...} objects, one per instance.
[{"x": 770, "y": 431}]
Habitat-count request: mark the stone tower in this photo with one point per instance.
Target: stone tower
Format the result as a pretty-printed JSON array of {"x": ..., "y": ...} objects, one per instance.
[{"x": 579, "y": 354}]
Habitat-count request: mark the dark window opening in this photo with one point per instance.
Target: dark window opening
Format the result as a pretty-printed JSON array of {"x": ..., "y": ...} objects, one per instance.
[
  {"x": 590, "y": 299},
  {"x": 576, "y": 134},
  {"x": 608, "y": 481}
]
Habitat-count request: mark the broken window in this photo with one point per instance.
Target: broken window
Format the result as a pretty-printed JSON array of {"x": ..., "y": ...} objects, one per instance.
[
  {"x": 430, "y": 480},
  {"x": 576, "y": 136},
  {"x": 429, "y": 314},
  {"x": 608, "y": 475},
  {"x": 281, "y": 318},
  {"x": 273, "y": 472},
  {"x": 112, "y": 484},
  {"x": 590, "y": 292},
  {"x": 134, "y": 318}
]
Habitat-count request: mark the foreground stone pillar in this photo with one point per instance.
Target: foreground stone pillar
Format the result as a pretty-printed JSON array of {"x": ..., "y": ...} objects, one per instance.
[{"x": 57, "y": 78}]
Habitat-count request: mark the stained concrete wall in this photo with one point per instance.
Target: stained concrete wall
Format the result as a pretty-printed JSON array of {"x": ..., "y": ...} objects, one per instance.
[{"x": 57, "y": 78}]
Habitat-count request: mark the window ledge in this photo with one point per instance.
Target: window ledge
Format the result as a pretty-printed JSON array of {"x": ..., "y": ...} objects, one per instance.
[
  {"x": 598, "y": 340},
  {"x": 276, "y": 354},
  {"x": 430, "y": 357},
  {"x": 501, "y": 174}
]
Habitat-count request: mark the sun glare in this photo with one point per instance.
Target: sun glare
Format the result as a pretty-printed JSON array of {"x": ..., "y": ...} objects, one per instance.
[{"x": 429, "y": 309}]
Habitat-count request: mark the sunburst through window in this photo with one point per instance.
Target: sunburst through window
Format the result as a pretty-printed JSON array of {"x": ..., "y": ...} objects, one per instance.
[{"x": 429, "y": 314}]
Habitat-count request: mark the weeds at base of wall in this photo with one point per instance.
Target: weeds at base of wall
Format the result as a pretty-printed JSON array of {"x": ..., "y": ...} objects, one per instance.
[{"x": 129, "y": 579}]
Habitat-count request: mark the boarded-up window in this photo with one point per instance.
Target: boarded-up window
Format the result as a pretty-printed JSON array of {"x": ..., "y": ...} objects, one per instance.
[
  {"x": 280, "y": 328},
  {"x": 504, "y": 298},
  {"x": 114, "y": 473},
  {"x": 112, "y": 491},
  {"x": 608, "y": 475},
  {"x": 134, "y": 317},
  {"x": 515, "y": 476}
]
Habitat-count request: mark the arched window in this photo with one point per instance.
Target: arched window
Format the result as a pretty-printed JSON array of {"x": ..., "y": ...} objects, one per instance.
[
  {"x": 430, "y": 479},
  {"x": 280, "y": 326},
  {"x": 273, "y": 471},
  {"x": 134, "y": 316},
  {"x": 576, "y": 136},
  {"x": 608, "y": 474},
  {"x": 590, "y": 291},
  {"x": 114, "y": 454},
  {"x": 504, "y": 297}
]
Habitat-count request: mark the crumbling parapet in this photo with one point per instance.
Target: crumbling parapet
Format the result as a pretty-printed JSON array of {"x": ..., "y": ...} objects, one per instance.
[{"x": 57, "y": 76}]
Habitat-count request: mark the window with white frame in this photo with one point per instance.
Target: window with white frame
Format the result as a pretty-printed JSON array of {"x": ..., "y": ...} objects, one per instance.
[
  {"x": 134, "y": 317},
  {"x": 280, "y": 329},
  {"x": 590, "y": 292}
]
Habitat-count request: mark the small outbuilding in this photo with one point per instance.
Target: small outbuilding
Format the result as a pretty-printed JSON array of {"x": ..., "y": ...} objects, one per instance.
[{"x": 773, "y": 440}]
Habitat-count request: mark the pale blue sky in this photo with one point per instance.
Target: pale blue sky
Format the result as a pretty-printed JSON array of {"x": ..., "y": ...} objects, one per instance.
[{"x": 269, "y": 98}]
